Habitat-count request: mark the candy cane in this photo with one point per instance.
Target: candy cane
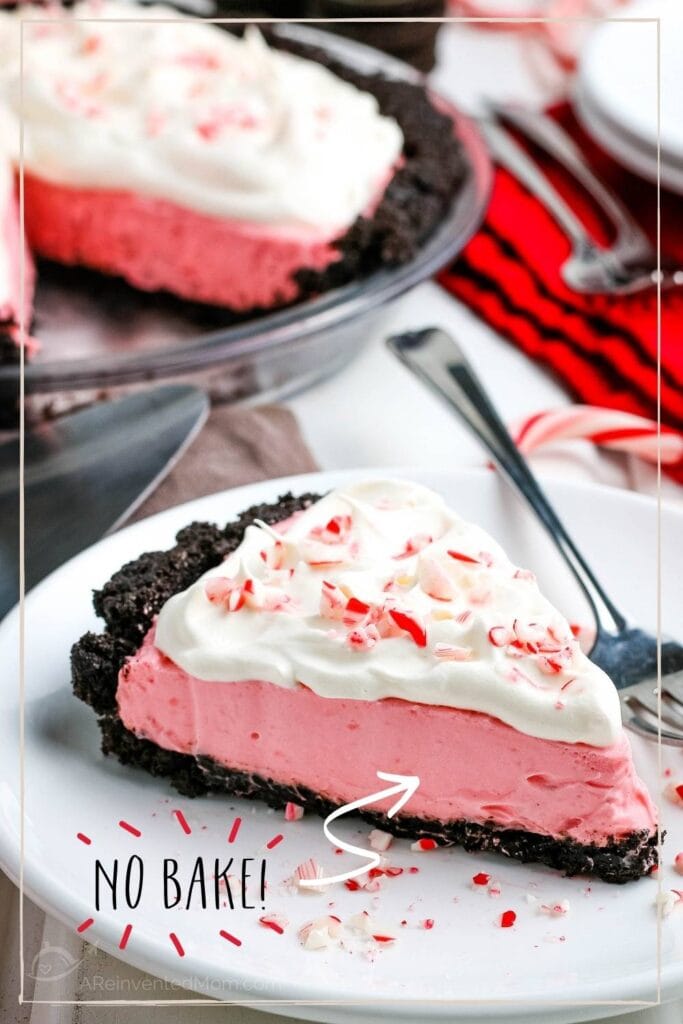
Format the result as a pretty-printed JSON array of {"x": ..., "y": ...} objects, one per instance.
[{"x": 609, "y": 428}]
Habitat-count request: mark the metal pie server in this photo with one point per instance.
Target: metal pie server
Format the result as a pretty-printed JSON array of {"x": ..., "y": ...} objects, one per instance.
[
  {"x": 631, "y": 657},
  {"x": 85, "y": 474}
]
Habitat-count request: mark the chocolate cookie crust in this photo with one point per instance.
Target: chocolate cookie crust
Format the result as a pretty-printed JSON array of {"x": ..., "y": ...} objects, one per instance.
[{"x": 128, "y": 603}]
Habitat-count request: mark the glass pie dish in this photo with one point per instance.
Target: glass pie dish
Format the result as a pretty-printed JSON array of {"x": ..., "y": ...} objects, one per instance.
[{"x": 110, "y": 338}]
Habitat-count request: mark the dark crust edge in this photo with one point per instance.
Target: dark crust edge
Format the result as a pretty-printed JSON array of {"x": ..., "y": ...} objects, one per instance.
[
  {"x": 420, "y": 191},
  {"x": 128, "y": 603}
]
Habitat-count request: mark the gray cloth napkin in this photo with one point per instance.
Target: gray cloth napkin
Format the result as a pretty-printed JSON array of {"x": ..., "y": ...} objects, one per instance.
[{"x": 236, "y": 446}]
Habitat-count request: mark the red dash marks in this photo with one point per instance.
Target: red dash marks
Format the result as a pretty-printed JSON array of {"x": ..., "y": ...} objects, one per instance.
[
  {"x": 83, "y": 838},
  {"x": 234, "y": 830},
  {"x": 177, "y": 943},
  {"x": 507, "y": 919},
  {"x": 126, "y": 935},
  {"x": 130, "y": 828},
  {"x": 182, "y": 821},
  {"x": 271, "y": 844},
  {"x": 84, "y": 925},
  {"x": 231, "y": 938}
]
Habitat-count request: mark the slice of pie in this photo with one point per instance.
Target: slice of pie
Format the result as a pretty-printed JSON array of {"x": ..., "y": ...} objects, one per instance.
[{"x": 292, "y": 655}]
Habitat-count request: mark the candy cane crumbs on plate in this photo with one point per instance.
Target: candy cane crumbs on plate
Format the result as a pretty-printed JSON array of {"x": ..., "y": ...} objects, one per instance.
[
  {"x": 360, "y": 923},
  {"x": 423, "y": 846},
  {"x": 380, "y": 841},
  {"x": 309, "y": 870},
  {"x": 558, "y": 909},
  {"x": 620, "y": 431},
  {"x": 507, "y": 919},
  {"x": 414, "y": 545},
  {"x": 411, "y": 625},
  {"x": 293, "y": 812},
  {"x": 367, "y": 925},
  {"x": 428, "y": 924},
  {"x": 674, "y": 793},
  {"x": 480, "y": 881},
  {"x": 321, "y": 932},
  {"x": 276, "y": 922},
  {"x": 495, "y": 889},
  {"x": 678, "y": 863},
  {"x": 668, "y": 900}
]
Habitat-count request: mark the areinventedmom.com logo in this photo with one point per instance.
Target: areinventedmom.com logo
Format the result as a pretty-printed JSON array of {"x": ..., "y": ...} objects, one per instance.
[{"x": 56, "y": 963}]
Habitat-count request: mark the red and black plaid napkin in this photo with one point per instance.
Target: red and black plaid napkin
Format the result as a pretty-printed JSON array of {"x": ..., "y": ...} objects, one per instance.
[{"x": 603, "y": 348}]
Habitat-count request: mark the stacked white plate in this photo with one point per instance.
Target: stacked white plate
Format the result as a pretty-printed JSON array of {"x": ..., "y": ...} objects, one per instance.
[{"x": 617, "y": 88}]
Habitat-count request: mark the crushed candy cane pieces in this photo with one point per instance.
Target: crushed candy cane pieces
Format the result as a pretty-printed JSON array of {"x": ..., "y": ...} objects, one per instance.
[
  {"x": 379, "y": 840},
  {"x": 293, "y": 812},
  {"x": 320, "y": 933},
  {"x": 557, "y": 909},
  {"x": 460, "y": 556},
  {"x": 310, "y": 870},
  {"x": 674, "y": 793},
  {"x": 423, "y": 846},
  {"x": 414, "y": 545},
  {"x": 366, "y": 925},
  {"x": 451, "y": 652},
  {"x": 667, "y": 901},
  {"x": 410, "y": 625},
  {"x": 507, "y": 919},
  {"x": 678, "y": 863}
]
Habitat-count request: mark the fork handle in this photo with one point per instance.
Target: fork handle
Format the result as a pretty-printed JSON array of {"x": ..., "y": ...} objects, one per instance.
[
  {"x": 509, "y": 154},
  {"x": 437, "y": 359},
  {"x": 550, "y": 136}
]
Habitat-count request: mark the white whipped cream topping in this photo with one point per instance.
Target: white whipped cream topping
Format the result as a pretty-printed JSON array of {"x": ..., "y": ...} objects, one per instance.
[
  {"x": 520, "y": 661},
  {"x": 187, "y": 112}
]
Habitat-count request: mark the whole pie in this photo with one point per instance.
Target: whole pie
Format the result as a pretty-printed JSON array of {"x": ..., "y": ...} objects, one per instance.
[{"x": 233, "y": 171}]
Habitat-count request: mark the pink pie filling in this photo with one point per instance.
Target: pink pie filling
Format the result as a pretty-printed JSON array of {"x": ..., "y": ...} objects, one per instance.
[
  {"x": 156, "y": 245},
  {"x": 471, "y": 766}
]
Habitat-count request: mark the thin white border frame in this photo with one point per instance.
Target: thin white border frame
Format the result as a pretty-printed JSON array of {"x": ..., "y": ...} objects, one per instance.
[{"x": 456, "y": 19}]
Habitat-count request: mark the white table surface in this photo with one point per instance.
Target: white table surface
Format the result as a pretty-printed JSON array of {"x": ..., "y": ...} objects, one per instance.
[{"x": 374, "y": 414}]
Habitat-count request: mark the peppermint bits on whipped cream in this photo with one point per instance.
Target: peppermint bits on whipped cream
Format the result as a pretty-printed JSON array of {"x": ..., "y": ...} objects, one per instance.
[{"x": 379, "y": 590}]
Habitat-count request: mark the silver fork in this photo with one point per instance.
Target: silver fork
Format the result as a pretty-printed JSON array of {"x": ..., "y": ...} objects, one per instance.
[
  {"x": 589, "y": 268},
  {"x": 628, "y": 654},
  {"x": 631, "y": 245}
]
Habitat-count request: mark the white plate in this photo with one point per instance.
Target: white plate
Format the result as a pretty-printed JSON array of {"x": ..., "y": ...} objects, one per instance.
[
  {"x": 616, "y": 91},
  {"x": 604, "y": 950}
]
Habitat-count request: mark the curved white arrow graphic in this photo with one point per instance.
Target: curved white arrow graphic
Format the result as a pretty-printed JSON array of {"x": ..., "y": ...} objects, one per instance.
[{"x": 403, "y": 784}]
